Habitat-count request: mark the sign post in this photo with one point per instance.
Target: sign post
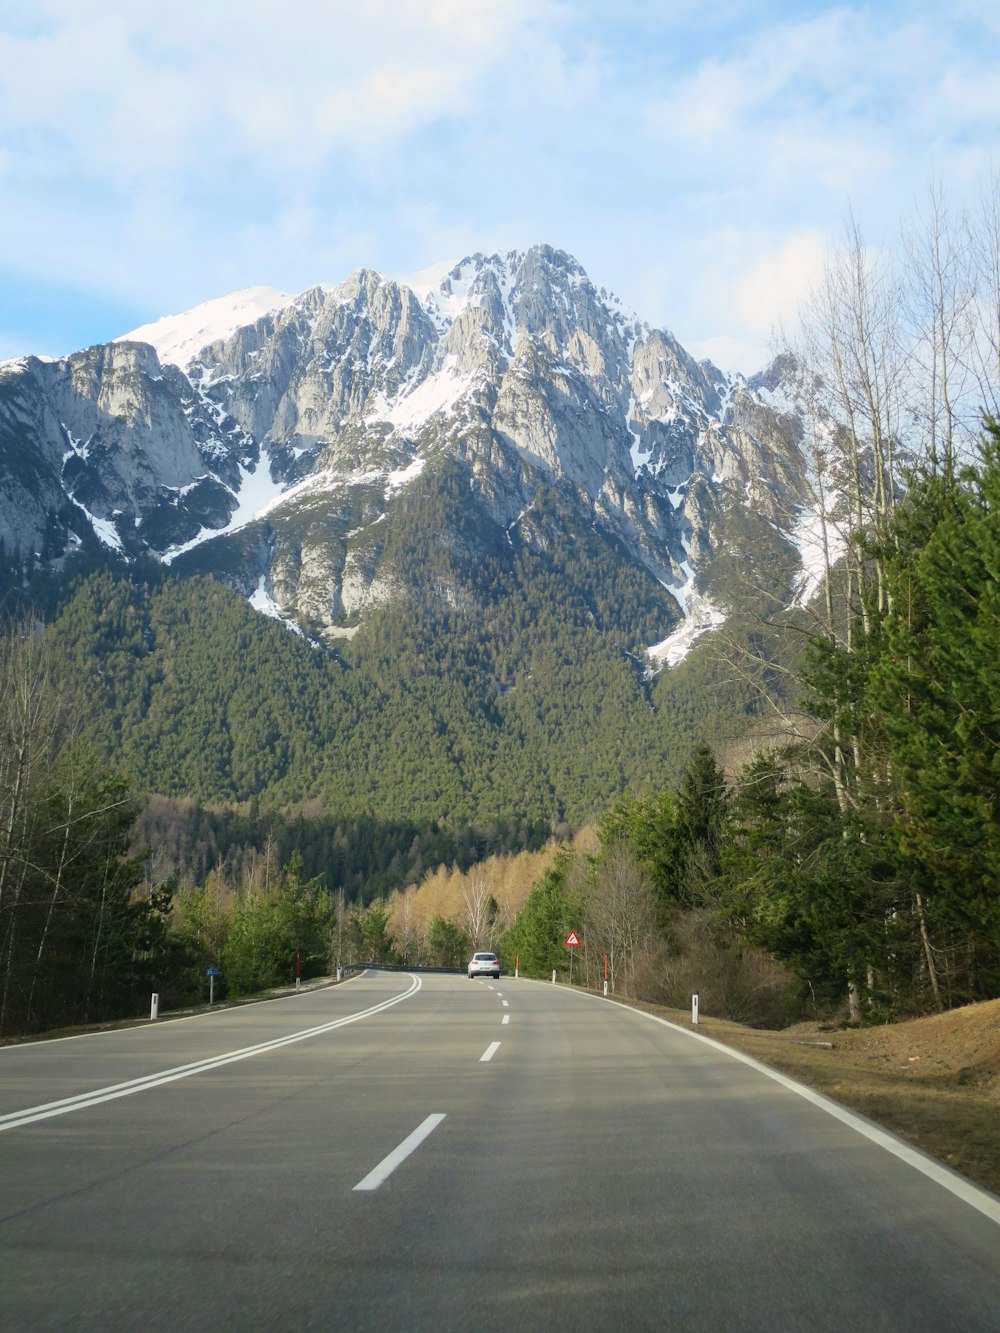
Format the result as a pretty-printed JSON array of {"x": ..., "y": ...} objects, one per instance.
[
  {"x": 211, "y": 973},
  {"x": 572, "y": 941},
  {"x": 298, "y": 971}
]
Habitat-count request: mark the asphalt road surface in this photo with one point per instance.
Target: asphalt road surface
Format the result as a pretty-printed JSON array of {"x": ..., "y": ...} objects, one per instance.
[{"x": 430, "y": 1152}]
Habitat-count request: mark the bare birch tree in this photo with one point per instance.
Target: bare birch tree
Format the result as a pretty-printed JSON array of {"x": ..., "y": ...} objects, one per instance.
[
  {"x": 620, "y": 916},
  {"x": 941, "y": 295},
  {"x": 480, "y": 912}
]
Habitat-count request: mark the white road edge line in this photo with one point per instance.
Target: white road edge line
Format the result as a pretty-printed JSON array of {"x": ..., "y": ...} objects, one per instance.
[
  {"x": 388, "y": 1164},
  {"x": 31, "y": 1114},
  {"x": 983, "y": 1202},
  {"x": 222, "y": 1010},
  {"x": 490, "y": 1052}
]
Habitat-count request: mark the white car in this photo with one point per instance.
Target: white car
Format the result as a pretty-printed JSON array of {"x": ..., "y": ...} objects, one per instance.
[{"x": 484, "y": 965}]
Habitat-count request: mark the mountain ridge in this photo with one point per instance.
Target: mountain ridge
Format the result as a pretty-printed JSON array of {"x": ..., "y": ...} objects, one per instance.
[{"x": 276, "y": 457}]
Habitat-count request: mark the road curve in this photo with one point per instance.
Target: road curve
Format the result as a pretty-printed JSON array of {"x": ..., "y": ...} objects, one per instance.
[{"x": 437, "y": 1153}]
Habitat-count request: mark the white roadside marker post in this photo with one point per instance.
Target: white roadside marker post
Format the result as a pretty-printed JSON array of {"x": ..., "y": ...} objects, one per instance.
[
  {"x": 154, "y": 1005},
  {"x": 694, "y": 1008}
]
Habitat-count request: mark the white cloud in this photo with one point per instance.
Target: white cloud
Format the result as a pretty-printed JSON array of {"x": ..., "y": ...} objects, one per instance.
[
  {"x": 969, "y": 94},
  {"x": 772, "y": 136},
  {"x": 843, "y": 102},
  {"x": 733, "y": 355},
  {"x": 727, "y": 98},
  {"x": 141, "y": 89},
  {"x": 775, "y": 286}
]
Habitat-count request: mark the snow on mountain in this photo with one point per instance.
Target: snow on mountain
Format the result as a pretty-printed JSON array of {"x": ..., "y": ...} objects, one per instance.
[
  {"x": 256, "y": 493},
  {"x": 262, "y": 601},
  {"x": 437, "y": 393},
  {"x": 821, "y": 542},
  {"x": 179, "y": 338},
  {"x": 701, "y": 616},
  {"x": 428, "y": 280},
  {"x": 306, "y": 416}
]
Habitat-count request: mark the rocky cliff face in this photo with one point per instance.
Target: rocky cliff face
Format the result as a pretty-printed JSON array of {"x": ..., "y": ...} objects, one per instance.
[
  {"x": 279, "y": 454},
  {"x": 112, "y": 442}
]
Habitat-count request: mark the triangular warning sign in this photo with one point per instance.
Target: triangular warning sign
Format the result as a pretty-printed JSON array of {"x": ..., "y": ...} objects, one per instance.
[{"x": 572, "y": 940}]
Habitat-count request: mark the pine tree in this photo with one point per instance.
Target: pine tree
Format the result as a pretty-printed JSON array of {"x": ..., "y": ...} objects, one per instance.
[{"x": 939, "y": 688}]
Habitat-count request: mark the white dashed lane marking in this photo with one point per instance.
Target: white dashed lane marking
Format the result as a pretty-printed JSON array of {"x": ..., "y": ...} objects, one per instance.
[{"x": 388, "y": 1164}]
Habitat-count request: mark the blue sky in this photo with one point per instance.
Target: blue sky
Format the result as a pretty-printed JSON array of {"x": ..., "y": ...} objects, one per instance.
[{"x": 695, "y": 159}]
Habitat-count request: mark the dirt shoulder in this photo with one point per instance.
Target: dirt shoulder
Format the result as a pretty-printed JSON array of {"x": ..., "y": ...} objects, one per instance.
[{"x": 933, "y": 1081}]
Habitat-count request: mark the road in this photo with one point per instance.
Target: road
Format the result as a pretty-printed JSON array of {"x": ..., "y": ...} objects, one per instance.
[{"x": 439, "y": 1153}]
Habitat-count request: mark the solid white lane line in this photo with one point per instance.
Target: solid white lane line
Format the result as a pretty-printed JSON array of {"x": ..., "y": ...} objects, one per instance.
[
  {"x": 490, "y": 1052},
  {"x": 388, "y": 1164},
  {"x": 31, "y": 1114},
  {"x": 926, "y": 1165},
  {"x": 505, "y": 1019},
  {"x": 963, "y": 1189},
  {"x": 220, "y": 1011}
]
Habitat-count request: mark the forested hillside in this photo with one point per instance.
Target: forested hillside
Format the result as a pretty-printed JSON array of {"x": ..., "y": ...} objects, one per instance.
[
  {"x": 364, "y": 856},
  {"x": 526, "y": 699}
]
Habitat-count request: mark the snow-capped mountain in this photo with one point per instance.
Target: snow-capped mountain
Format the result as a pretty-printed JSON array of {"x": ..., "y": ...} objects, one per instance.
[
  {"x": 179, "y": 338},
  {"x": 274, "y": 439}
]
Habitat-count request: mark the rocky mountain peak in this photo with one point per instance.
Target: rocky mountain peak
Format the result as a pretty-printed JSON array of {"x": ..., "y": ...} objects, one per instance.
[{"x": 287, "y": 437}]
